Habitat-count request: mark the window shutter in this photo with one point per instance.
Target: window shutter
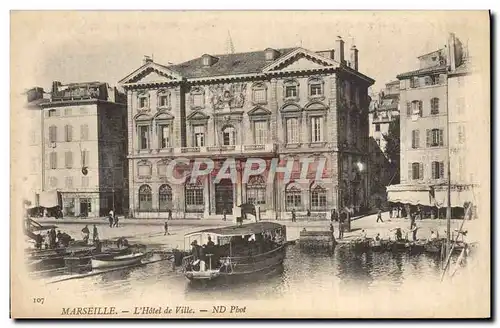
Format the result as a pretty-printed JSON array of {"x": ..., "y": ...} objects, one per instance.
[
  {"x": 413, "y": 138},
  {"x": 429, "y": 137},
  {"x": 410, "y": 171},
  {"x": 408, "y": 108},
  {"x": 433, "y": 167},
  {"x": 420, "y": 108},
  {"x": 441, "y": 170},
  {"x": 421, "y": 171},
  {"x": 441, "y": 137},
  {"x": 417, "y": 138}
]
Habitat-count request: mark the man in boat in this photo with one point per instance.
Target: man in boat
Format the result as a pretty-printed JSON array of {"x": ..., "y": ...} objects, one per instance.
[
  {"x": 433, "y": 236},
  {"x": 95, "y": 235},
  {"x": 377, "y": 237}
]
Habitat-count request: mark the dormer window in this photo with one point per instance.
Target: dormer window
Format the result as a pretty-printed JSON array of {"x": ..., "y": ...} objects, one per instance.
[
  {"x": 208, "y": 60},
  {"x": 271, "y": 54}
]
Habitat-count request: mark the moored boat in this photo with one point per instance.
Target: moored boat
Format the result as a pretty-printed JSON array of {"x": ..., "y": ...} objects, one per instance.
[
  {"x": 234, "y": 252},
  {"x": 116, "y": 261}
]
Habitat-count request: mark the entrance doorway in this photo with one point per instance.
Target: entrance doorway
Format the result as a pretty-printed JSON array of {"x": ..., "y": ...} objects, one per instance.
[
  {"x": 85, "y": 207},
  {"x": 224, "y": 197}
]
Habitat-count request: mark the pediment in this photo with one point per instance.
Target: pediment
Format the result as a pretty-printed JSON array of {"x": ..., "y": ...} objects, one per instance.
[
  {"x": 315, "y": 105},
  {"x": 164, "y": 116},
  {"x": 151, "y": 73},
  {"x": 259, "y": 111},
  {"x": 301, "y": 59},
  {"x": 290, "y": 108},
  {"x": 197, "y": 115},
  {"x": 142, "y": 117}
]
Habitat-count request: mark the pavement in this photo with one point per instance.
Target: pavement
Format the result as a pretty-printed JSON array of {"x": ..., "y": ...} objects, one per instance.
[{"x": 151, "y": 231}]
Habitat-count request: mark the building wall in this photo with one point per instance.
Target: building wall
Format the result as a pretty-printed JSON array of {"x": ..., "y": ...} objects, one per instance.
[{"x": 422, "y": 154}]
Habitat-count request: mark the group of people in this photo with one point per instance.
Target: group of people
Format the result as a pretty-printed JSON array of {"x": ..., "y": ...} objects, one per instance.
[
  {"x": 113, "y": 219},
  {"x": 86, "y": 234},
  {"x": 52, "y": 239}
]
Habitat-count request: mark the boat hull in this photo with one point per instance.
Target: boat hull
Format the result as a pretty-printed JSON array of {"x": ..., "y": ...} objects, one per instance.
[
  {"x": 116, "y": 261},
  {"x": 241, "y": 268}
]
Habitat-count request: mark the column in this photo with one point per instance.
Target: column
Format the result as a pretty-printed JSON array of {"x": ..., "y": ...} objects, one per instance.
[
  {"x": 239, "y": 184},
  {"x": 206, "y": 198},
  {"x": 273, "y": 107}
]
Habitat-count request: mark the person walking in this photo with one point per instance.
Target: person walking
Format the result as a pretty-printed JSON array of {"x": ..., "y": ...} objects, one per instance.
[
  {"x": 165, "y": 226},
  {"x": 334, "y": 216},
  {"x": 294, "y": 217},
  {"x": 111, "y": 215},
  {"x": 224, "y": 214},
  {"x": 341, "y": 224},
  {"x": 115, "y": 221},
  {"x": 169, "y": 214},
  {"x": 379, "y": 216}
]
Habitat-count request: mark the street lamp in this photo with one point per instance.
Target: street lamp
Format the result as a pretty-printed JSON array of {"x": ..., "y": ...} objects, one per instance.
[{"x": 362, "y": 168}]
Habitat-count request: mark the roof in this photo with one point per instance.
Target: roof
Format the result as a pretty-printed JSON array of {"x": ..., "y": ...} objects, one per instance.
[
  {"x": 430, "y": 53},
  {"x": 433, "y": 69},
  {"x": 229, "y": 64},
  {"x": 464, "y": 68},
  {"x": 245, "y": 229}
]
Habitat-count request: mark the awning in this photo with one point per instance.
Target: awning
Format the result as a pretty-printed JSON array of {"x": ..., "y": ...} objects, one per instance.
[
  {"x": 459, "y": 196},
  {"x": 410, "y": 194}
]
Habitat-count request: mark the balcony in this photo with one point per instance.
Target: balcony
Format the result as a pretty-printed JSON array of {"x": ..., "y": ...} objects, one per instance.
[{"x": 226, "y": 150}]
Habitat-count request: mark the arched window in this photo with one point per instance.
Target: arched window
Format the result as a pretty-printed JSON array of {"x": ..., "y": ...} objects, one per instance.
[
  {"x": 145, "y": 198},
  {"x": 434, "y": 106},
  {"x": 318, "y": 198},
  {"x": 256, "y": 190},
  {"x": 229, "y": 136},
  {"x": 195, "y": 200},
  {"x": 293, "y": 197},
  {"x": 165, "y": 197}
]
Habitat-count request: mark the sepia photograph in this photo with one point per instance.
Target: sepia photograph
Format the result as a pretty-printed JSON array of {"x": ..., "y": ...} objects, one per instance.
[{"x": 250, "y": 164}]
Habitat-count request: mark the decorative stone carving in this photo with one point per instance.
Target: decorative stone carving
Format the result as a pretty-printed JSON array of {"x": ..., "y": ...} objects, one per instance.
[{"x": 224, "y": 96}]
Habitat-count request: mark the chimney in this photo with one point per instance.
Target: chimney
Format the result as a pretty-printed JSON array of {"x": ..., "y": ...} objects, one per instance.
[
  {"x": 147, "y": 59},
  {"x": 35, "y": 94},
  {"x": 354, "y": 57},
  {"x": 451, "y": 52},
  {"x": 55, "y": 86},
  {"x": 339, "y": 50}
]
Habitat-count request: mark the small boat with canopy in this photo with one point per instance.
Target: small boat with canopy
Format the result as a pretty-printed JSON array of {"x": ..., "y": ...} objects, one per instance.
[{"x": 235, "y": 251}]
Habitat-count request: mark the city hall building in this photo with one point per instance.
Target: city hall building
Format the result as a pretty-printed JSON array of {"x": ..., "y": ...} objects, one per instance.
[{"x": 285, "y": 104}]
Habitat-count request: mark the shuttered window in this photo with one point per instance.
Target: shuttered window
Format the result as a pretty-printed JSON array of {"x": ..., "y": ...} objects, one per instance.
[
  {"x": 415, "y": 171},
  {"x": 68, "y": 160},
  {"x": 415, "y": 139},
  {"x": 437, "y": 170},
  {"x": 434, "y": 137}
]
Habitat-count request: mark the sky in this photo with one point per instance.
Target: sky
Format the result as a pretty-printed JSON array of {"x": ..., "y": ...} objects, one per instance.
[{"x": 107, "y": 46}]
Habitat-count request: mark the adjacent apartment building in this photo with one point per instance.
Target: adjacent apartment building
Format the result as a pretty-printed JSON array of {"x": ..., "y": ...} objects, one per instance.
[
  {"x": 384, "y": 119},
  {"x": 275, "y": 103},
  {"x": 81, "y": 147},
  {"x": 434, "y": 117}
]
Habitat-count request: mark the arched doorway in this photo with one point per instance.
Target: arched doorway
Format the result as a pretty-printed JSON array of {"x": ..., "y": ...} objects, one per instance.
[{"x": 224, "y": 197}]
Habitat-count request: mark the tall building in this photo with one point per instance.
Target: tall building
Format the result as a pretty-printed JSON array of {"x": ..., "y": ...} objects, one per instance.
[
  {"x": 82, "y": 147},
  {"x": 277, "y": 103},
  {"x": 384, "y": 119},
  {"x": 432, "y": 126}
]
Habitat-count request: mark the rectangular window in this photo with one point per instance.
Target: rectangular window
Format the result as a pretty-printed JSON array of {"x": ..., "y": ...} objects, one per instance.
[
  {"x": 199, "y": 136},
  {"x": 85, "y": 182},
  {"x": 69, "y": 182},
  {"x": 290, "y": 91},
  {"x": 164, "y": 101},
  {"x": 414, "y": 82},
  {"x": 259, "y": 96},
  {"x": 68, "y": 132},
  {"x": 53, "y": 113},
  {"x": 435, "y": 138},
  {"x": 52, "y": 133},
  {"x": 194, "y": 197},
  {"x": 143, "y": 102},
  {"x": 415, "y": 139},
  {"x": 68, "y": 160},
  {"x": 315, "y": 89},
  {"x": 377, "y": 127},
  {"x": 198, "y": 100},
  {"x": 143, "y": 137},
  {"x": 316, "y": 129},
  {"x": 164, "y": 135},
  {"x": 437, "y": 170},
  {"x": 53, "y": 160},
  {"x": 292, "y": 130},
  {"x": 260, "y": 131},
  {"x": 461, "y": 134},
  {"x": 416, "y": 171},
  {"x": 85, "y": 158},
  {"x": 84, "y": 132},
  {"x": 434, "y": 106}
]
